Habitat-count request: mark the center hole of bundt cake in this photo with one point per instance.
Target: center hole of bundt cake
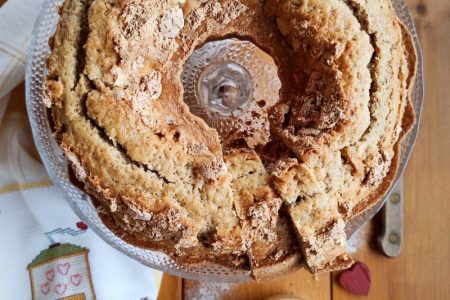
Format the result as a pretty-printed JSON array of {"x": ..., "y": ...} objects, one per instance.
[
  {"x": 231, "y": 83},
  {"x": 224, "y": 87}
]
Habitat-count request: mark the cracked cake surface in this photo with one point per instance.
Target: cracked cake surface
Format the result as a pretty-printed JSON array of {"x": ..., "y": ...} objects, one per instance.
[{"x": 162, "y": 179}]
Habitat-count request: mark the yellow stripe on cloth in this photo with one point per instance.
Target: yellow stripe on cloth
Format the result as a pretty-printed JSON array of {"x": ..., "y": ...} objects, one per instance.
[
  {"x": 6, "y": 73},
  {"x": 14, "y": 53},
  {"x": 10, "y": 188}
]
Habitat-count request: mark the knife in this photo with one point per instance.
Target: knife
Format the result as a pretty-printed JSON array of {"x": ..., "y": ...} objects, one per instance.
[{"x": 391, "y": 239}]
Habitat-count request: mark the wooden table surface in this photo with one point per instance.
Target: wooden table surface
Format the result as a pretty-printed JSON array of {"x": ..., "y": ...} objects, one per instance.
[{"x": 422, "y": 271}]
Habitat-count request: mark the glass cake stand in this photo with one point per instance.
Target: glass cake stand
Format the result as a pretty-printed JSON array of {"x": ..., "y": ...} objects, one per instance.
[{"x": 80, "y": 202}]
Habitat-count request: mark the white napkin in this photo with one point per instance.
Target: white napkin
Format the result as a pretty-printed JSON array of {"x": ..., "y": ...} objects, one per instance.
[
  {"x": 34, "y": 214},
  {"x": 17, "y": 19}
]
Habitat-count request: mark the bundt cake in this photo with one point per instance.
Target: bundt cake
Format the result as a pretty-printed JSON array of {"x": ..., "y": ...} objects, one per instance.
[{"x": 267, "y": 193}]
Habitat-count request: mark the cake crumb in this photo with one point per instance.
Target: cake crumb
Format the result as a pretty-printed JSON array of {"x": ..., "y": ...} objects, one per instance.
[{"x": 76, "y": 164}]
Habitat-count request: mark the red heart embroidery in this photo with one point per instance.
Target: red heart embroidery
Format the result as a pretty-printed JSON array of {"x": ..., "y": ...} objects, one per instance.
[
  {"x": 60, "y": 288},
  {"x": 75, "y": 279},
  {"x": 45, "y": 288},
  {"x": 82, "y": 225},
  {"x": 357, "y": 279},
  {"x": 50, "y": 275},
  {"x": 63, "y": 268}
]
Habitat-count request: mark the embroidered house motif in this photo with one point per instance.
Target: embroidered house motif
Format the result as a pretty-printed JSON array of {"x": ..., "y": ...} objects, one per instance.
[{"x": 61, "y": 272}]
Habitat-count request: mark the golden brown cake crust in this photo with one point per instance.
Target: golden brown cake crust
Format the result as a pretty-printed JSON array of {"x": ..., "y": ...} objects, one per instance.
[{"x": 160, "y": 176}]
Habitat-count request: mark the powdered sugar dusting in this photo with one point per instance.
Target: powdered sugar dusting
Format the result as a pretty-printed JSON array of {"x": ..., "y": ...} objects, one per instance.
[
  {"x": 359, "y": 238},
  {"x": 171, "y": 22},
  {"x": 212, "y": 9},
  {"x": 151, "y": 85},
  {"x": 119, "y": 76},
  {"x": 207, "y": 290},
  {"x": 141, "y": 91},
  {"x": 234, "y": 10}
]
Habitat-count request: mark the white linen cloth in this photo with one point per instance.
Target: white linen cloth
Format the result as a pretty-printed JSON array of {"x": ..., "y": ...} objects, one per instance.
[{"x": 34, "y": 213}]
